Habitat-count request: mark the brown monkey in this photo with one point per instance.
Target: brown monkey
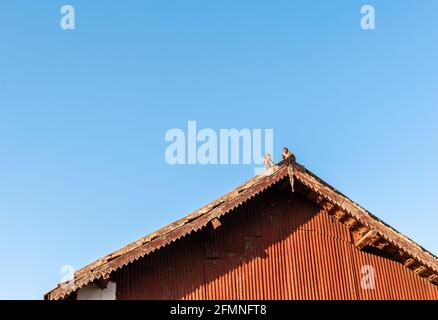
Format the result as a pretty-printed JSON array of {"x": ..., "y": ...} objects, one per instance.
[
  {"x": 290, "y": 158},
  {"x": 287, "y": 155}
]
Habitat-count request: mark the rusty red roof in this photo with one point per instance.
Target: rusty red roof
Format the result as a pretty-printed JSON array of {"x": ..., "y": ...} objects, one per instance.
[{"x": 371, "y": 230}]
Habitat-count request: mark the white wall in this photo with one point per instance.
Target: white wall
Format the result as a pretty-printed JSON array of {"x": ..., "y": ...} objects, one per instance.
[{"x": 93, "y": 292}]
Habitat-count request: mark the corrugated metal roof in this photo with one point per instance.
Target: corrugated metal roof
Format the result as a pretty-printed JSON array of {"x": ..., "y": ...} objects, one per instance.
[{"x": 102, "y": 268}]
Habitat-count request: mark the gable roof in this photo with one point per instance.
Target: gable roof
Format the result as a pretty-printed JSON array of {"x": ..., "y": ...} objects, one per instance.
[{"x": 368, "y": 229}]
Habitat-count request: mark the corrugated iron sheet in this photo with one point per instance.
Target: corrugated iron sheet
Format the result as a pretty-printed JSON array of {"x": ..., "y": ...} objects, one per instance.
[{"x": 273, "y": 247}]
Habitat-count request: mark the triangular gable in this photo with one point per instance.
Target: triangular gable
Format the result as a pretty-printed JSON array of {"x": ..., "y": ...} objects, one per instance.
[{"x": 366, "y": 228}]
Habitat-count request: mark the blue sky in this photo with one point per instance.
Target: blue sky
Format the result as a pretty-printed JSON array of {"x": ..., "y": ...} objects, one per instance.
[{"x": 83, "y": 114}]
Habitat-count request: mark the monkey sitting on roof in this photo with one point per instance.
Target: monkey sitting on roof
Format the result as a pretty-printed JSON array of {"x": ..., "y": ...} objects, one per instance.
[
  {"x": 269, "y": 165},
  {"x": 287, "y": 155},
  {"x": 268, "y": 161},
  {"x": 290, "y": 158}
]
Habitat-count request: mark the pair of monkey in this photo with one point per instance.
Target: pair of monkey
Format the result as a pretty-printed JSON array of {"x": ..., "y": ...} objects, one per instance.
[{"x": 286, "y": 155}]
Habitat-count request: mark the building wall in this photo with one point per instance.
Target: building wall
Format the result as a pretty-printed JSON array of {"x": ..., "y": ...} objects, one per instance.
[
  {"x": 276, "y": 246},
  {"x": 93, "y": 292}
]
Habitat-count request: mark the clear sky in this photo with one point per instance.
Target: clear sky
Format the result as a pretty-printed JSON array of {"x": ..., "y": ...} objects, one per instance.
[{"x": 83, "y": 114}]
